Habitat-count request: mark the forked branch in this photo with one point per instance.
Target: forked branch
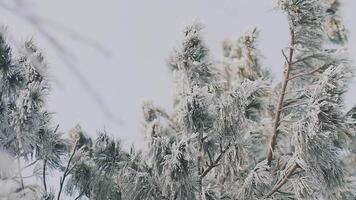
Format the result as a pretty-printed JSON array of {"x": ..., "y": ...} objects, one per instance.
[{"x": 215, "y": 162}]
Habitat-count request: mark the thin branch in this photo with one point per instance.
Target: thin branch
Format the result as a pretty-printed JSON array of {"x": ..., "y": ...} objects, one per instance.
[
  {"x": 200, "y": 166},
  {"x": 19, "y": 172},
  {"x": 19, "y": 162},
  {"x": 305, "y": 58},
  {"x": 285, "y": 57},
  {"x": 216, "y": 162},
  {"x": 23, "y": 177},
  {"x": 210, "y": 157},
  {"x": 80, "y": 195},
  {"x": 283, "y": 181},
  {"x": 272, "y": 142},
  {"x": 65, "y": 174},
  {"x": 56, "y": 129},
  {"x": 291, "y": 106},
  {"x": 29, "y": 165},
  {"x": 66, "y": 58},
  {"x": 44, "y": 174},
  {"x": 78, "y": 37},
  {"x": 307, "y": 73}
]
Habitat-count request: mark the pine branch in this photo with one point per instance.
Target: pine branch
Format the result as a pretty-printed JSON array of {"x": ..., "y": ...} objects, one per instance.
[{"x": 272, "y": 142}]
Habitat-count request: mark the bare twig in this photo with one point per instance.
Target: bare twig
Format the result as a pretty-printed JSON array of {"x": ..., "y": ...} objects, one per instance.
[{"x": 65, "y": 56}]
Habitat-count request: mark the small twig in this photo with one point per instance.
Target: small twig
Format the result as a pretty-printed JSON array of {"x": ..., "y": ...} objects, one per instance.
[
  {"x": 44, "y": 174},
  {"x": 19, "y": 167},
  {"x": 210, "y": 157},
  {"x": 80, "y": 195},
  {"x": 66, "y": 57},
  {"x": 285, "y": 57},
  {"x": 56, "y": 129},
  {"x": 307, "y": 73},
  {"x": 29, "y": 176},
  {"x": 305, "y": 58},
  {"x": 29, "y": 165},
  {"x": 291, "y": 106},
  {"x": 216, "y": 162},
  {"x": 283, "y": 181}
]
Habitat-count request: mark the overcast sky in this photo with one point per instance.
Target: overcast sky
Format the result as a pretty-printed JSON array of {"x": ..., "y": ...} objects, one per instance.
[{"x": 140, "y": 34}]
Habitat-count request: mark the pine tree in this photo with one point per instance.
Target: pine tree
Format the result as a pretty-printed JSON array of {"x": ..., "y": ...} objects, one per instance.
[
  {"x": 210, "y": 146},
  {"x": 232, "y": 134},
  {"x": 195, "y": 151},
  {"x": 27, "y": 132}
]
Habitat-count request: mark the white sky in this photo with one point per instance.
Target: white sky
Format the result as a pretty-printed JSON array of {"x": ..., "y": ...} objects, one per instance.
[{"x": 140, "y": 34}]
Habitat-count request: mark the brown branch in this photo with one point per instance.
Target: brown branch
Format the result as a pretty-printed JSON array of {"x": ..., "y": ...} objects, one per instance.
[
  {"x": 283, "y": 181},
  {"x": 272, "y": 142}
]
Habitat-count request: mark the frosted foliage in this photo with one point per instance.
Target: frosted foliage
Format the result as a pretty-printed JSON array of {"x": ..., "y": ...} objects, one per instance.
[
  {"x": 257, "y": 183},
  {"x": 10, "y": 187},
  {"x": 192, "y": 58},
  {"x": 242, "y": 59},
  {"x": 27, "y": 132},
  {"x": 333, "y": 26},
  {"x": 231, "y": 135},
  {"x": 209, "y": 122},
  {"x": 229, "y": 118}
]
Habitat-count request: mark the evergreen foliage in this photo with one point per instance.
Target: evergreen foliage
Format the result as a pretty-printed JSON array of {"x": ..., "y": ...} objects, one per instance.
[{"x": 232, "y": 135}]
